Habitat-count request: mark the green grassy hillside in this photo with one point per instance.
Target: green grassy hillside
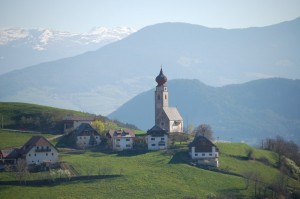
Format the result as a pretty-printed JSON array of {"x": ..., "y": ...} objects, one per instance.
[
  {"x": 157, "y": 175},
  {"x": 16, "y": 139},
  {"x": 34, "y": 117}
]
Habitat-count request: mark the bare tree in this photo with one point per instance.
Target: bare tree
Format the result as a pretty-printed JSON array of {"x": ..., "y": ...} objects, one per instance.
[
  {"x": 21, "y": 170},
  {"x": 204, "y": 130}
]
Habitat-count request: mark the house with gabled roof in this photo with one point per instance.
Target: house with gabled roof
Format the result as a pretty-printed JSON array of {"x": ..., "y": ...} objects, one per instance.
[
  {"x": 38, "y": 150},
  {"x": 72, "y": 122},
  {"x": 120, "y": 139},
  {"x": 204, "y": 151},
  {"x": 86, "y": 136},
  {"x": 9, "y": 155},
  {"x": 157, "y": 138}
]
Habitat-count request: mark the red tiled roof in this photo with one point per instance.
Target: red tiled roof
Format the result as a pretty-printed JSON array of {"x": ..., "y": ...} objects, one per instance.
[
  {"x": 120, "y": 133},
  {"x": 202, "y": 144},
  {"x": 35, "y": 141}
]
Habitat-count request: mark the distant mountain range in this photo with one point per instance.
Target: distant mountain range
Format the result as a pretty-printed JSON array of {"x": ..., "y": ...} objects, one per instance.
[
  {"x": 243, "y": 112},
  {"x": 100, "y": 81},
  {"x": 21, "y": 47}
]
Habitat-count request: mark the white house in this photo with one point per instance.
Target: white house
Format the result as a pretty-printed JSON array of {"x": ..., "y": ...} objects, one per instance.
[
  {"x": 120, "y": 139},
  {"x": 72, "y": 122},
  {"x": 39, "y": 150},
  {"x": 157, "y": 138},
  {"x": 86, "y": 135},
  {"x": 204, "y": 151}
]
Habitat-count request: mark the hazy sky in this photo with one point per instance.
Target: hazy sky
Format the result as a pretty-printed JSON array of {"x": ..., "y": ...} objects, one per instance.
[{"x": 82, "y": 15}]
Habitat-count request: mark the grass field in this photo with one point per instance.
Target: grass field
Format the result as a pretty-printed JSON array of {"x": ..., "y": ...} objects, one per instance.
[
  {"x": 16, "y": 139},
  {"x": 153, "y": 175}
]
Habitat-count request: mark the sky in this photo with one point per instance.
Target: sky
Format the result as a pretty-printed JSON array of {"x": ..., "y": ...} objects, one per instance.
[{"x": 83, "y": 15}]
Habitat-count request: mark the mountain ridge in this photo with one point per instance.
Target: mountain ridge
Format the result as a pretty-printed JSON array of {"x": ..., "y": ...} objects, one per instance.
[
  {"x": 102, "y": 80},
  {"x": 43, "y": 45},
  {"x": 245, "y": 112}
]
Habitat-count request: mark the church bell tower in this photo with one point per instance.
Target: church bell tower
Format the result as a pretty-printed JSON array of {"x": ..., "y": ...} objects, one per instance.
[{"x": 161, "y": 96}]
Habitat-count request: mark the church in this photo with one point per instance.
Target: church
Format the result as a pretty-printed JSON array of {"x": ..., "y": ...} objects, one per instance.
[{"x": 166, "y": 117}]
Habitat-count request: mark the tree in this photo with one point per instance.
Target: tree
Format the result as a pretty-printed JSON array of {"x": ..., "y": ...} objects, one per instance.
[
  {"x": 98, "y": 125},
  {"x": 204, "y": 130},
  {"x": 178, "y": 137},
  {"x": 21, "y": 170}
]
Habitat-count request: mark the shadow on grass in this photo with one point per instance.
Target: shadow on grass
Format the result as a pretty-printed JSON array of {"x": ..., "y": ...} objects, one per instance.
[
  {"x": 58, "y": 181},
  {"x": 128, "y": 153},
  {"x": 180, "y": 157},
  {"x": 231, "y": 193}
]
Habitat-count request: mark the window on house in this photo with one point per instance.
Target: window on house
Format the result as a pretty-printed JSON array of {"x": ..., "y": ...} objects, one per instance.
[
  {"x": 29, "y": 154},
  {"x": 46, "y": 154},
  {"x": 152, "y": 144},
  {"x": 152, "y": 138},
  {"x": 203, "y": 154},
  {"x": 162, "y": 139},
  {"x": 52, "y": 154},
  {"x": 35, "y": 154},
  {"x": 128, "y": 145},
  {"x": 37, "y": 148},
  {"x": 196, "y": 154},
  {"x": 32, "y": 161},
  {"x": 127, "y": 139},
  {"x": 210, "y": 154},
  {"x": 118, "y": 139},
  {"x": 162, "y": 123}
]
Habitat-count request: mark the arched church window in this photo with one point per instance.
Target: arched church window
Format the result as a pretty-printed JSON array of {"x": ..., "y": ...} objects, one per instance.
[
  {"x": 158, "y": 97},
  {"x": 165, "y": 96}
]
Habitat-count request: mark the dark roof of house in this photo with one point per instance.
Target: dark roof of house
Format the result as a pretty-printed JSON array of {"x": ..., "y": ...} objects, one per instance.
[
  {"x": 85, "y": 129},
  {"x": 9, "y": 153},
  {"x": 120, "y": 133},
  {"x": 202, "y": 144},
  {"x": 33, "y": 142},
  {"x": 79, "y": 118},
  {"x": 157, "y": 131}
]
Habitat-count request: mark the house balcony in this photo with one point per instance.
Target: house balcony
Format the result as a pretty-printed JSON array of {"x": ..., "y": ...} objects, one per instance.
[{"x": 42, "y": 150}]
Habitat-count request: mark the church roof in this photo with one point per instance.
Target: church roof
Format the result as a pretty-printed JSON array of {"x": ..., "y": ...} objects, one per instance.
[
  {"x": 157, "y": 131},
  {"x": 172, "y": 113},
  {"x": 161, "y": 79}
]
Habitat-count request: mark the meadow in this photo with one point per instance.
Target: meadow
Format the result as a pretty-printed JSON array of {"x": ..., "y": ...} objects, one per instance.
[{"x": 157, "y": 174}]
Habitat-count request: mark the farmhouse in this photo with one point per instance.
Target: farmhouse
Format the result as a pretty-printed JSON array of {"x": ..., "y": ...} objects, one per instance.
[
  {"x": 39, "y": 150},
  {"x": 157, "y": 138},
  {"x": 9, "y": 155},
  {"x": 166, "y": 117},
  {"x": 204, "y": 151},
  {"x": 86, "y": 136},
  {"x": 72, "y": 122},
  {"x": 120, "y": 139}
]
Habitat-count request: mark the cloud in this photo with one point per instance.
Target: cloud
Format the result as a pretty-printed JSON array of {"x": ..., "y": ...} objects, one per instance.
[
  {"x": 284, "y": 63},
  {"x": 187, "y": 61}
]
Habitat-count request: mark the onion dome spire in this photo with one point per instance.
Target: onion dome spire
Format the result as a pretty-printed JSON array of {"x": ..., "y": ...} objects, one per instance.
[{"x": 161, "y": 79}]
